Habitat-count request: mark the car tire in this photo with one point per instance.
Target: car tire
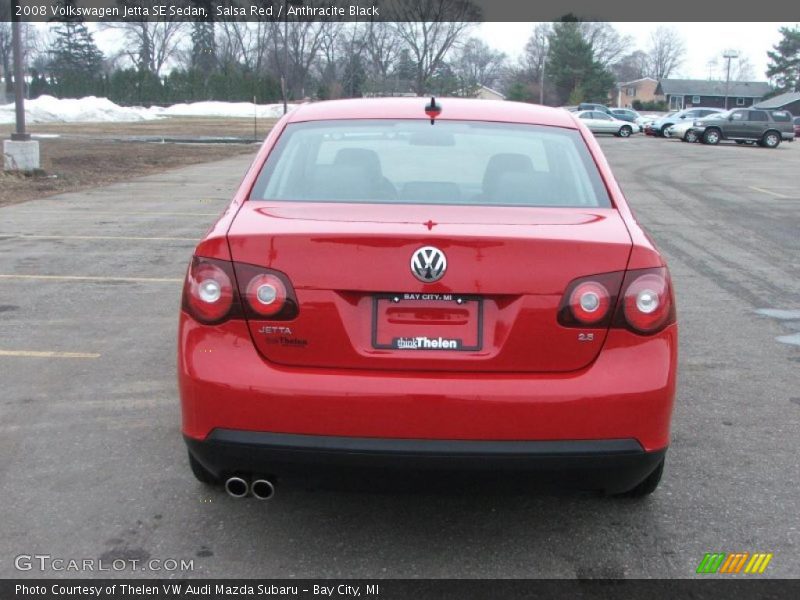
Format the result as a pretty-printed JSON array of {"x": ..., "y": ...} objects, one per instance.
[
  {"x": 771, "y": 139},
  {"x": 646, "y": 487},
  {"x": 712, "y": 136},
  {"x": 625, "y": 131},
  {"x": 690, "y": 136},
  {"x": 200, "y": 473},
  {"x": 663, "y": 131}
]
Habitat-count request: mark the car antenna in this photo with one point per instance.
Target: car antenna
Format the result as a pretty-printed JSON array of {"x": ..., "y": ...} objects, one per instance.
[{"x": 433, "y": 109}]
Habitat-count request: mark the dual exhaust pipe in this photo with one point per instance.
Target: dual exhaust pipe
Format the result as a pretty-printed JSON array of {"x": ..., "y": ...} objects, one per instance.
[{"x": 239, "y": 487}]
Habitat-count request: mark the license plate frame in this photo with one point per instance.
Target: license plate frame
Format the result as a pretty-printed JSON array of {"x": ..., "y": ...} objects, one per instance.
[{"x": 424, "y": 300}]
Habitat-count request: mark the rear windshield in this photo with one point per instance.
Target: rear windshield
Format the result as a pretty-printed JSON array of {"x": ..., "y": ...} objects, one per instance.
[{"x": 414, "y": 162}]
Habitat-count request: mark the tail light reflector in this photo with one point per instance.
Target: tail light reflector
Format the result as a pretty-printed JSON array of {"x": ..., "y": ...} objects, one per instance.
[
  {"x": 590, "y": 301},
  {"x": 266, "y": 295},
  {"x": 209, "y": 293},
  {"x": 648, "y": 304}
]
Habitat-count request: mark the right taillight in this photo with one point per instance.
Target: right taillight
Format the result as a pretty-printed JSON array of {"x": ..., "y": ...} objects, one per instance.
[
  {"x": 640, "y": 300},
  {"x": 648, "y": 304},
  {"x": 217, "y": 290}
]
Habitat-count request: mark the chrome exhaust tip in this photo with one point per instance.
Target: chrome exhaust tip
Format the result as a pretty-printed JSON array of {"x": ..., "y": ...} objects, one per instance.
[
  {"x": 237, "y": 487},
  {"x": 263, "y": 489}
]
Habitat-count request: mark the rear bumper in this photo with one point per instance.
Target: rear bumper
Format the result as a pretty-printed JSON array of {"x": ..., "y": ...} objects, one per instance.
[
  {"x": 626, "y": 393},
  {"x": 609, "y": 465}
]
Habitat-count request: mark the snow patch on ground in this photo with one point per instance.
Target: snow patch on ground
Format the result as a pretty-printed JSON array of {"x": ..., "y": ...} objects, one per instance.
[
  {"x": 225, "y": 109},
  {"x": 47, "y": 109}
]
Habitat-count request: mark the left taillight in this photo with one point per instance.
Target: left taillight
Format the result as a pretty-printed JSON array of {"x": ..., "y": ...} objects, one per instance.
[
  {"x": 209, "y": 293},
  {"x": 217, "y": 290}
]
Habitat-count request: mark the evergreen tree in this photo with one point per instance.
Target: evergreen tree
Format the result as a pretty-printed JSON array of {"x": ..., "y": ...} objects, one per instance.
[
  {"x": 204, "y": 47},
  {"x": 784, "y": 65},
  {"x": 572, "y": 69},
  {"x": 354, "y": 77},
  {"x": 75, "y": 60}
]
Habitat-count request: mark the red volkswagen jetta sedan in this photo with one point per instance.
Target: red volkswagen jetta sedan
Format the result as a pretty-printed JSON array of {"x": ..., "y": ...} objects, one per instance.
[{"x": 430, "y": 285}]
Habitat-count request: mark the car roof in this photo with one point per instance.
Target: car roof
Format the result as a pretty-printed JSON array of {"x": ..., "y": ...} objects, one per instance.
[{"x": 461, "y": 109}]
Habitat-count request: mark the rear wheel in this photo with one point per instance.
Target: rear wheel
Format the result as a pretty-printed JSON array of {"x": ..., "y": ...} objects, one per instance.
[
  {"x": 690, "y": 136},
  {"x": 646, "y": 487},
  {"x": 200, "y": 473},
  {"x": 625, "y": 131},
  {"x": 712, "y": 137},
  {"x": 771, "y": 139}
]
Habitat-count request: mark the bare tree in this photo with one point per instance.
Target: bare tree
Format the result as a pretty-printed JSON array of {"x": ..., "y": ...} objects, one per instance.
[
  {"x": 151, "y": 44},
  {"x": 301, "y": 41},
  {"x": 534, "y": 56},
  {"x": 608, "y": 45},
  {"x": 429, "y": 29},
  {"x": 631, "y": 66},
  {"x": 382, "y": 44},
  {"x": 31, "y": 46},
  {"x": 244, "y": 43},
  {"x": 477, "y": 64},
  {"x": 665, "y": 52}
]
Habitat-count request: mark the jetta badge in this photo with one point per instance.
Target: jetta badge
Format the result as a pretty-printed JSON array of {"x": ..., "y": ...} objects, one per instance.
[{"x": 428, "y": 264}]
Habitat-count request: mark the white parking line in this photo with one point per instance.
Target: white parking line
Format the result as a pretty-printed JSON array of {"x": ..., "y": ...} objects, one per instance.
[
  {"x": 96, "y": 237},
  {"x": 92, "y": 278},
  {"x": 92, "y": 212},
  {"x": 762, "y": 190},
  {"x": 48, "y": 354}
]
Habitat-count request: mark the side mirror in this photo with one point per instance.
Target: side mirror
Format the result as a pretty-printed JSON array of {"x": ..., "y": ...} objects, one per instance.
[{"x": 730, "y": 118}]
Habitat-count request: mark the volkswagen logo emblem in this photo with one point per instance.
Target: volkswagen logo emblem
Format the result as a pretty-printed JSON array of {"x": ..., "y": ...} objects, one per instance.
[{"x": 428, "y": 264}]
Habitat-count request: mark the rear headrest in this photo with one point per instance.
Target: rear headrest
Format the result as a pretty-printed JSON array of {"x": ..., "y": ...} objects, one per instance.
[
  {"x": 505, "y": 162},
  {"x": 359, "y": 157}
]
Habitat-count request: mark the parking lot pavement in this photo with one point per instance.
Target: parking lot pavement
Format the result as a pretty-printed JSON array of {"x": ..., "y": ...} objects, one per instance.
[{"x": 93, "y": 465}]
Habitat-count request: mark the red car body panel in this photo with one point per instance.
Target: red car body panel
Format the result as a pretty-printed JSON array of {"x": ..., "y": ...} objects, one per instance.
[
  {"x": 532, "y": 380},
  {"x": 627, "y": 393},
  {"x": 375, "y": 241}
]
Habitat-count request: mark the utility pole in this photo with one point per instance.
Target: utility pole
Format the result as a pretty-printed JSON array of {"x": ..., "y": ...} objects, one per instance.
[
  {"x": 728, "y": 55},
  {"x": 19, "y": 82},
  {"x": 285, "y": 74},
  {"x": 541, "y": 79},
  {"x": 20, "y": 153}
]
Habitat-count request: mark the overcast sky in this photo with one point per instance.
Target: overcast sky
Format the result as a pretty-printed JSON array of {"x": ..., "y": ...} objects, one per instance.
[{"x": 703, "y": 41}]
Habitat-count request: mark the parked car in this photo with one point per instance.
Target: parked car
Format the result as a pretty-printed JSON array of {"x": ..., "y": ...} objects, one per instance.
[
  {"x": 599, "y": 122},
  {"x": 469, "y": 295},
  {"x": 660, "y": 126},
  {"x": 629, "y": 115},
  {"x": 746, "y": 125},
  {"x": 796, "y": 127},
  {"x": 649, "y": 126},
  {"x": 689, "y": 131},
  {"x": 592, "y": 106}
]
